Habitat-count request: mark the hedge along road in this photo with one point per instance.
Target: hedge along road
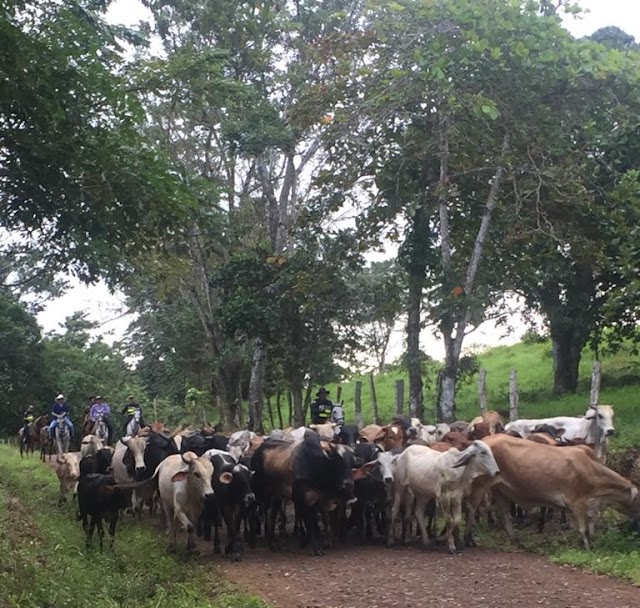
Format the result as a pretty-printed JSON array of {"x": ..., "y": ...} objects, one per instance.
[{"x": 373, "y": 576}]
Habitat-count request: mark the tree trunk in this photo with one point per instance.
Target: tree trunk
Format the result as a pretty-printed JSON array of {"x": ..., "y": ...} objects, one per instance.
[
  {"x": 230, "y": 375},
  {"x": 296, "y": 396},
  {"x": 290, "y": 404},
  {"x": 416, "y": 405},
  {"x": 569, "y": 311},
  {"x": 256, "y": 404},
  {"x": 279, "y": 408},
  {"x": 567, "y": 351},
  {"x": 270, "y": 411},
  {"x": 307, "y": 401},
  {"x": 447, "y": 399}
]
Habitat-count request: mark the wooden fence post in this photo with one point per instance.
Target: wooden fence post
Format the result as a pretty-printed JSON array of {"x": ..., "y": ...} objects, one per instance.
[
  {"x": 359, "y": 420},
  {"x": 513, "y": 396},
  {"x": 399, "y": 396},
  {"x": 594, "y": 398},
  {"x": 374, "y": 400},
  {"x": 482, "y": 390},
  {"x": 338, "y": 394},
  {"x": 596, "y": 372}
]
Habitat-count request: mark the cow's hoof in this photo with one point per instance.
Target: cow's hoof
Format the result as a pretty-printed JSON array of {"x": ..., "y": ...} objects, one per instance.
[
  {"x": 318, "y": 552},
  {"x": 234, "y": 557},
  {"x": 216, "y": 550}
]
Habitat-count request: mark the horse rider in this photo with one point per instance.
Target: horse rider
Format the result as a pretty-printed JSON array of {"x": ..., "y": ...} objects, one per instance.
[
  {"x": 28, "y": 417},
  {"x": 321, "y": 408},
  {"x": 60, "y": 406},
  {"x": 101, "y": 408},
  {"x": 129, "y": 410}
]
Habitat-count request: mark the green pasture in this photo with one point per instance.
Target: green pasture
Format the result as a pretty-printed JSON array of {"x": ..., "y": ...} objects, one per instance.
[{"x": 44, "y": 563}]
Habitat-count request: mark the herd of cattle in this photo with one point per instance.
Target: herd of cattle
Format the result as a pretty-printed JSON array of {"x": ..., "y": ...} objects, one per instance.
[{"x": 354, "y": 481}]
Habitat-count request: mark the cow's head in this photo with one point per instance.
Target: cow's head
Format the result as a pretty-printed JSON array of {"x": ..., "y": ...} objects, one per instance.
[
  {"x": 386, "y": 461},
  {"x": 480, "y": 457},
  {"x": 137, "y": 446},
  {"x": 198, "y": 475}
]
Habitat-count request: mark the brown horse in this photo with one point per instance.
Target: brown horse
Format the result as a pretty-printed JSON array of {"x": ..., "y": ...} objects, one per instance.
[
  {"x": 46, "y": 443},
  {"x": 31, "y": 441}
]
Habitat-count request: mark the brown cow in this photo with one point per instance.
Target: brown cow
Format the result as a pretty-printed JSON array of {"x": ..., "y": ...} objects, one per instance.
[
  {"x": 534, "y": 475},
  {"x": 68, "y": 472},
  {"x": 492, "y": 418}
]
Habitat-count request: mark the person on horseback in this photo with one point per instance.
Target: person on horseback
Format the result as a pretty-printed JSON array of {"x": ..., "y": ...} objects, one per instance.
[
  {"x": 60, "y": 407},
  {"x": 28, "y": 417},
  {"x": 101, "y": 409},
  {"x": 321, "y": 408},
  {"x": 129, "y": 410}
]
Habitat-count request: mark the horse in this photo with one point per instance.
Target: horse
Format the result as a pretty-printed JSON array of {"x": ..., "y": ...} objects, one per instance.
[
  {"x": 133, "y": 425},
  {"x": 100, "y": 429},
  {"x": 25, "y": 441},
  {"x": 62, "y": 435},
  {"x": 45, "y": 443},
  {"x": 31, "y": 440}
]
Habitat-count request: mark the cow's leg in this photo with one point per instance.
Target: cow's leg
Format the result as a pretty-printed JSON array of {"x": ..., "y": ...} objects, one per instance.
[
  {"x": 273, "y": 512},
  {"x": 455, "y": 519},
  {"x": 100, "y": 529},
  {"x": 419, "y": 512},
  {"x": 395, "y": 509},
  {"x": 430, "y": 512},
  {"x": 113, "y": 521},
  {"x": 580, "y": 512},
  {"x": 188, "y": 526},
  {"x": 504, "y": 515},
  {"x": 309, "y": 517},
  {"x": 88, "y": 523},
  {"x": 408, "y": 509},
  {"x": 232, "y": 549}
]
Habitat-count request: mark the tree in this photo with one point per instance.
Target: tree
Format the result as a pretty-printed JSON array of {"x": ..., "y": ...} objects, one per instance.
[
  {"x": 79, "y": 185},
  {"x": 464, "y": 114},
  {"x": 20, "y": 362},
  {"x": 614, "y": 38},
  {"x": 380, "y": 292}
]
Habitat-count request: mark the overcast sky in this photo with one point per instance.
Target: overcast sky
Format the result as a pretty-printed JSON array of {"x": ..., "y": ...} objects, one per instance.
[{"x": 107, "y": 309}]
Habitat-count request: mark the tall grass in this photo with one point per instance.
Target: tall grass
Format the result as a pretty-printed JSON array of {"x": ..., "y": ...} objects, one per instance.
[{"x": 44, "y": 563}]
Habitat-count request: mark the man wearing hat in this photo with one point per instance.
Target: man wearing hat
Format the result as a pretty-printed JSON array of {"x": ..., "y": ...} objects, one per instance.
[
  {"x": 60, "y": 407},
  {"x": 321, "y": 408}
]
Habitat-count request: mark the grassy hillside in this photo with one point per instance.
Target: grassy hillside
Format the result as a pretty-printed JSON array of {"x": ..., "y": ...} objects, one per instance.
[{"x": 620, "y": 387}]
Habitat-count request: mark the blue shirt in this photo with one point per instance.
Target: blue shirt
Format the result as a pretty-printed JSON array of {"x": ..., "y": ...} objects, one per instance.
[{"x": 60, "y": 408}]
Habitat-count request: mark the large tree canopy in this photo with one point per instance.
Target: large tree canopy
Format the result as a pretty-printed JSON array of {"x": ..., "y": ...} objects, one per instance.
[{"x": 78, "y": 182}]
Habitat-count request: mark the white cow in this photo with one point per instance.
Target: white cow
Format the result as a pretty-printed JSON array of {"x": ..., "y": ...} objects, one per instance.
[
  {"x": 425, "y": 432},
  {"x": 90, "y": 445},
  {"x": 442, "y": 428},
  {"x": 575, "y": 427},
  {"x": 184, "y": 483},
  {"x": 136, "y": 446},
  {"x": 423, "y": 474},
  {"x": 239, "y": 443}
]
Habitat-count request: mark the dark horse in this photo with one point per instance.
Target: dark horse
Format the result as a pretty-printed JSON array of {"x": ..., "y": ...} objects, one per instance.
[{"x": 30, "y": 440}]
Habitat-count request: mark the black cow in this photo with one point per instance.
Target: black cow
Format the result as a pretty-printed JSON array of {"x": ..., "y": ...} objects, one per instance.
[
  {"x": 200, "y": 443},
  {"x": 348, "y": 435},
  {"x": 234, "y": 502},
  {"x": 315, "y": 474},
  {"x": 100, "y": 498},
  {"x": 96, "y": 464},
  {"x": 371, "y": 493}
]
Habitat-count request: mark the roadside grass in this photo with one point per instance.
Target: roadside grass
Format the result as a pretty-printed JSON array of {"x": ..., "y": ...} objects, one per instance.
[
  {"x": 44, "y": 563},
  {"x": 615, "y": 551}
]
